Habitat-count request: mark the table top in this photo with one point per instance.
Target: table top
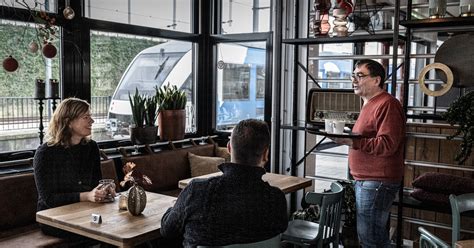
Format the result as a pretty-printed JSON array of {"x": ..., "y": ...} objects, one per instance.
[
  {"x": 118, "y": 227},
  {"x": 465, "y": 243},
  {"x": 287, "y": 184}
]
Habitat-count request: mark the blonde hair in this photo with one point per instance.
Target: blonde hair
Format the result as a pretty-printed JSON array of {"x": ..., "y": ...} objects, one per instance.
[{"x": 59, "y": 132}]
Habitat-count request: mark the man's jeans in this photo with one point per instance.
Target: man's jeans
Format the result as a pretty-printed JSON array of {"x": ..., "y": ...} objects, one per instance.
[{"x": 373, "y": 202}]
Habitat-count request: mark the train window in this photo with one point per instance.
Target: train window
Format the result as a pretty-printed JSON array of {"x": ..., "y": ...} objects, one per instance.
[
  {"x": 260, "y": 81},
  {"x": 146, "y": 72},
  {"x": 236, "y": 82},
  {"x": 240, "y": 83}
]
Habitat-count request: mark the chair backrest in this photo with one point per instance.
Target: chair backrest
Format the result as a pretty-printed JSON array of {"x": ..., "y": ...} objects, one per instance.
[
  {"x": 459, "y": 204},
  {"x": 330, "y": 215},
  {"x": 268, "y": 243},
  {"x": 428, "y": 240},
  {"x": 107, "y": 167}
]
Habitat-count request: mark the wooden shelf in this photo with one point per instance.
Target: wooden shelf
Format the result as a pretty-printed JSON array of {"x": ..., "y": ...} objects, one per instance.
[
  {"x": 439, "y": 22},
  {"x": 348, "y": 39}
]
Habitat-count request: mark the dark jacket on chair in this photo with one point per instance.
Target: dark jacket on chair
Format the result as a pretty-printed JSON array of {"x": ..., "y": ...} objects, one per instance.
[{"x": 238, "y": 207}]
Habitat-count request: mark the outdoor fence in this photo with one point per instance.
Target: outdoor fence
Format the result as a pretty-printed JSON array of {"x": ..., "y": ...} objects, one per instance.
[{"x": 17, "y": 113}]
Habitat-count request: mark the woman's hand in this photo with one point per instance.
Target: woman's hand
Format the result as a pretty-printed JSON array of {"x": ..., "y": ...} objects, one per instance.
[{"x": 98, "y": 194}]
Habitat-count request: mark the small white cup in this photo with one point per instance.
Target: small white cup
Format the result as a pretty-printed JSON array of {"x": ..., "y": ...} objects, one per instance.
[
  {"x": 338, "y": 126},
  {"x": 328, "y": 127}
]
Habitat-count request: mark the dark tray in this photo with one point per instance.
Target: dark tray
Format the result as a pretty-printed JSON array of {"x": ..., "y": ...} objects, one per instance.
[{"x": 335, "y": 135}]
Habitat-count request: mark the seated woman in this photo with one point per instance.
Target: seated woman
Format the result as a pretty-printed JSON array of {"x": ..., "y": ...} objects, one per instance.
[{"x": 67, "y": 166}]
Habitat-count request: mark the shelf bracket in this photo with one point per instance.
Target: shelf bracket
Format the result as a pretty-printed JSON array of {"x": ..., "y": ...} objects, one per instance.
[
  {"x": 307, "y": 73},
  {"x": 309, "y": 152}
]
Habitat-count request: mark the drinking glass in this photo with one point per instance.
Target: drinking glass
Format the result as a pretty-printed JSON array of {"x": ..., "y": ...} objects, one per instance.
[{"x": 109, "y": 186}]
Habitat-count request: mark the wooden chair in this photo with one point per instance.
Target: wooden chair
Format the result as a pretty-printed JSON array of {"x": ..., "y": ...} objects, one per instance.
[
  {"x": 306, "y": 233},
  {"x": 268, "y": 243},
  {"x": 459, "y": 204}
]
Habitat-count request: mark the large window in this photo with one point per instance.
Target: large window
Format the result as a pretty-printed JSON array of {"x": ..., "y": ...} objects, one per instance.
[
  {"x": 130, "y": 63},
  {"x": 236, "y": 13},
  {"x": 38, "y": 5},
  {"x": 240, "y": 83},
  {"x": 19, "y": 111},
  {"x": 164, "y": 14}
]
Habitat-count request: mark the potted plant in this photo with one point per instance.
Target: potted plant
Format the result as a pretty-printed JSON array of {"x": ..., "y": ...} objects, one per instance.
[
  {"x": 172, "y": 115},
  {"x": 144, "y": 112},
  {"x": 461, "y": 113}
]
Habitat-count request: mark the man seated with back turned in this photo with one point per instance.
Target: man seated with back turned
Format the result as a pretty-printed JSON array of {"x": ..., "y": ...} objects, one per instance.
[{"x": 237, "y": 207}]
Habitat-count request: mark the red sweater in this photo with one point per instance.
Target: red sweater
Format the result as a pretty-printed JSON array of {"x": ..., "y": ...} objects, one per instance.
[{"x": 379, "y": 155}]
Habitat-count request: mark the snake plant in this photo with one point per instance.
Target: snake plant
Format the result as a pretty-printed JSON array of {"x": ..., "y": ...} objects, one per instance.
[
  {"x": 137, "y": 103},
  {"x": 170, "y": 98}
]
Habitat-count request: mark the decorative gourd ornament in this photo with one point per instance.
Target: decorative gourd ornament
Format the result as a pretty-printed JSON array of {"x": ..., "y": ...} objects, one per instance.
[
  {"x": 49, "y": 51},
  {"x": 136, "y": 200},
  {"x": 10, "y": 64}
]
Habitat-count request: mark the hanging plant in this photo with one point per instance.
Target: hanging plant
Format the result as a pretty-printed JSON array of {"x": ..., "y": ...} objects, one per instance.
[
  {"x": 461, "y": 113},
  {"x": 46, "y": 31}
]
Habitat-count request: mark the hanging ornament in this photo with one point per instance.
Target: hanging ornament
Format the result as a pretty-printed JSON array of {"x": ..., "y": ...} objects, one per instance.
[
  {"x": 68, "y": 12},
  {"x": 33, "y": 47},
  {"x": 10, "y": 64},
  {"x": 49, "y": 51}
]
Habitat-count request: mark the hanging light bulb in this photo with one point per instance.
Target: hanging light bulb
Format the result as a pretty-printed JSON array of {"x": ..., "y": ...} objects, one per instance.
[{"x": 68, "y": 12}]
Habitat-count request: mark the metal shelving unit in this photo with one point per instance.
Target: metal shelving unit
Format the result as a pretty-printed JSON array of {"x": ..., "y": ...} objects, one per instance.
[{"x": 293, "y": 46}]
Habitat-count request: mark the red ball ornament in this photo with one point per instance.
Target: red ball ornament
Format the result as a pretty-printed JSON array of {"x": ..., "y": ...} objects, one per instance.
[
  {"x": 10, "y": 64},
  {"x": 49, "y": 51}
]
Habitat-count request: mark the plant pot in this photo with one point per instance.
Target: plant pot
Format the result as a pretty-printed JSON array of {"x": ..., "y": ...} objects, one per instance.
[
  {"x": 143, "y": 135},
  {"x": 172, "y": 124}
]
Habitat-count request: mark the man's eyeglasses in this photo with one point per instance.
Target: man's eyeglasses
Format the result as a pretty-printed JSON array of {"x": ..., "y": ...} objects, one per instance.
[{"x": 358, "y": 76}]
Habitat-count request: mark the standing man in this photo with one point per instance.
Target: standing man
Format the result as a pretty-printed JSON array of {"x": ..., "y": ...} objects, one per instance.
[
  {"x": 375, "y": 160},
  {"x": 237, "y": 207}
]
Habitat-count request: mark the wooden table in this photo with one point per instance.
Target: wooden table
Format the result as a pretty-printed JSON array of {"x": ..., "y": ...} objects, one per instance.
[
  {"x": 118, "y": 227},
  {"x": 465, "y": 243},
  {"x": 287, "y": 184}
]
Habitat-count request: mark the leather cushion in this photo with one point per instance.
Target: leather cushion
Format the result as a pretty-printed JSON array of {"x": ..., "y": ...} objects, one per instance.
[
  {"x": 223, "y": 153},
  {"x": 444, "y": 183},
  {"x": 19, "y": 199},
  {"x": 32, "y": 238},
  {"x": 166, "y": 168},
  {"x": 430, "y": 197},
  {"x": 203, "y": 165}
]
